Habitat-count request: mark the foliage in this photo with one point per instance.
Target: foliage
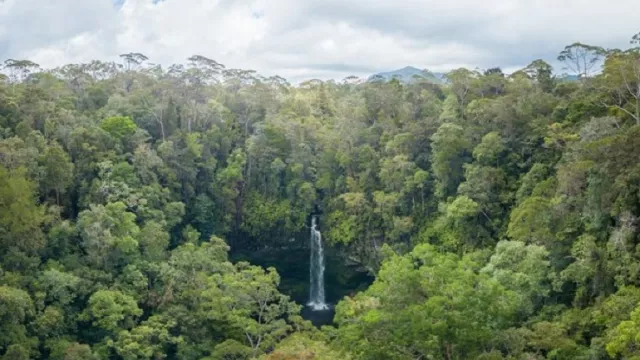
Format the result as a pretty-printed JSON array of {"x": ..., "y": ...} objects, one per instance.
[
  {"x": 21, "y": 217},
  {"x": 423, "y": 303},
  {"x": 119, "y": 126},
  {"x": 499, "y": 214}
]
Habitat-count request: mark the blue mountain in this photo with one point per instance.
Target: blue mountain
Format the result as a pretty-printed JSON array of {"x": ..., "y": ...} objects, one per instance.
[
  {"x": 567, "y": 78},
  {"x": 409, "y": 74}
]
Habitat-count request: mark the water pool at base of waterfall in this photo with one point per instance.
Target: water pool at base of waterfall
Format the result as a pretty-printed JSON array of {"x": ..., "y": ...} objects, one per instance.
[
  {"x": 319, "y": 317},
  {"x": 292, "y": 264}
]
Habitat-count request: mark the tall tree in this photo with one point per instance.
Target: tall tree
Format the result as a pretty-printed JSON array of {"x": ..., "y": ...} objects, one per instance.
[
  {"x": 581, "y": 59},
  {"x": 58, "y": 171},
  {"x": 21, "y": 218},
  {"x": 621, "y": 81},
  {"x": 449, "y": 154}
]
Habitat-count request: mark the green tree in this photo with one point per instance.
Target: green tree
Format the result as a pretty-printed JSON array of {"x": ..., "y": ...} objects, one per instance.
[
  {"x": 154, "y": 241},
  {"x": 58, "y": 171},
  {"x": 16, "y": 310},
  {"x": 424, "y": 303},
  {"x": 231, "y": 189},
  {"x": 523, "y": 269},
  {"x": 624, "y": 339},
  {"x": 109, "y": 235},
  {"x": 253, "y": 306},
  {"x": 530, "y": 221},
  {"x": 462, "y": 84},
  {"x": 621, "y": 79},
  {"x": 542, "y": 73},
  {"x": 490, "y": 149},
  {"x": 111, "y": 311},
  {"x": 449, "y": 154},
  {"x": 119, "y": 126},
  {"x": 21, "y": 218},
  {"x": 151, "y": 339}
]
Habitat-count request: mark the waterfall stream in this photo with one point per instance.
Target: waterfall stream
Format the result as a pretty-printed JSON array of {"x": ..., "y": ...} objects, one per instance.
[{"x": 316, "y": 270}]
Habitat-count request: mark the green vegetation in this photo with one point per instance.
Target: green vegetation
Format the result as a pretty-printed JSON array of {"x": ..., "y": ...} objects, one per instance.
[{"x": 499, "y": 214}]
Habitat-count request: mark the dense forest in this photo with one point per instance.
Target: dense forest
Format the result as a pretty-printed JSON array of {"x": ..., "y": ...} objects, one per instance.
[{"x": 499, "y": 213}]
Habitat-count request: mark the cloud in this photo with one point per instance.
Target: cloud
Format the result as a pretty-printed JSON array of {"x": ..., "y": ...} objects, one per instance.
[
  {"x": 56, "y": 28},
  {"x": 302, "y": 39}
]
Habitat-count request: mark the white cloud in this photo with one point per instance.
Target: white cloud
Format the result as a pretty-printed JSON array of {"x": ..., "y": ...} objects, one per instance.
[{"x": 312, "y": 38}]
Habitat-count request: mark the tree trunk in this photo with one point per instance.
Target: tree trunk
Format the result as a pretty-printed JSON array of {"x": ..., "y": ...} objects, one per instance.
[
  {"x": 239, "y": 204},
  {"x": 448, "y": 352}
]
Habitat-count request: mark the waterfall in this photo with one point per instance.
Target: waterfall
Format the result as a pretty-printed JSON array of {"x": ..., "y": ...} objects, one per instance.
[{"x": 316, "y": 269}]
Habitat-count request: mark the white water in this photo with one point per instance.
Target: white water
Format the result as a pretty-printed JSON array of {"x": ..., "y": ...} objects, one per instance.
[{"x": 316, "y": 270}]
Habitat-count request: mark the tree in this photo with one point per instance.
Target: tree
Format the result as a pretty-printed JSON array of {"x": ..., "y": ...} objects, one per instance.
[
  {"x": 542, "y": 72},
  {"x": 529, "y": 222},
  {"x": 50, "y": 323},
  {"x": 205, "y": 69},
  {"x": 20, "y": 69},
  {"x": 494, "y": 71},
  {"x": 462, "y": 84},
  {"x": 449, "y": 154},
  {"x": 587, "y": 271},
  {"x": 530, "y": 180},
  {"x": 108, "y": 234},
  {"x": 624, "y": 339},
  {"x": 151, "y": 339},
  {"x": 16, "y": 309},
  {"x": 395, "y": 171},
  {"x": 119, "y": 126},
  {"x": 457, "y": 228},
  {"x": 300, "y": 346},
  {"x": 16, "y": 352},
  {"x": 492, "y": 82},
  {"x": 254, "y": 306},
  {"x": 58, "y": 171},
  {"x": 581, "y": 59},
  {"x": 60, "y": 288},
  {"x": 417, "y": 307},
  {"x": 21, "y": 218},
  {"x": 490, "y": 149},
  {"x": 78, "y": 351},
  {"x": 523, "y": 269},
  {"x": 133, "y": 60},
  {"x": 231, "y": 190},
  {"x": 111, "y": 311},
  {"x": 154, "y": 241},
  {"x": 621, "y": 81},
  {"x": 487, "y": 187}
]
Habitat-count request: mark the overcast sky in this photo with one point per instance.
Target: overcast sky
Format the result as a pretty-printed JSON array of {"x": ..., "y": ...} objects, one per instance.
[{"x": 301, "y": 39}]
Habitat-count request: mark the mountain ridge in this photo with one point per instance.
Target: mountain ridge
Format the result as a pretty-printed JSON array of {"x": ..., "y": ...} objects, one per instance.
[{"x": 408, "y": 74}]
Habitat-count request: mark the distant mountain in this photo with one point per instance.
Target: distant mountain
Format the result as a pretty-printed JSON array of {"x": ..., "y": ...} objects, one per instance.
[
  {"x": 409, "y": 74},
  {"x": 568, "y": 78}
]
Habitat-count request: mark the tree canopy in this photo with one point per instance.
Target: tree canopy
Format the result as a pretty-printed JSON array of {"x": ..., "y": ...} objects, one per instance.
[{"x": 498, "y": 213}]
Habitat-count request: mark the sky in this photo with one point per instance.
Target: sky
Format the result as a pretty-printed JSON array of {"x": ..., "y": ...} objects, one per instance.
[{"x": 305, "y": 39}]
